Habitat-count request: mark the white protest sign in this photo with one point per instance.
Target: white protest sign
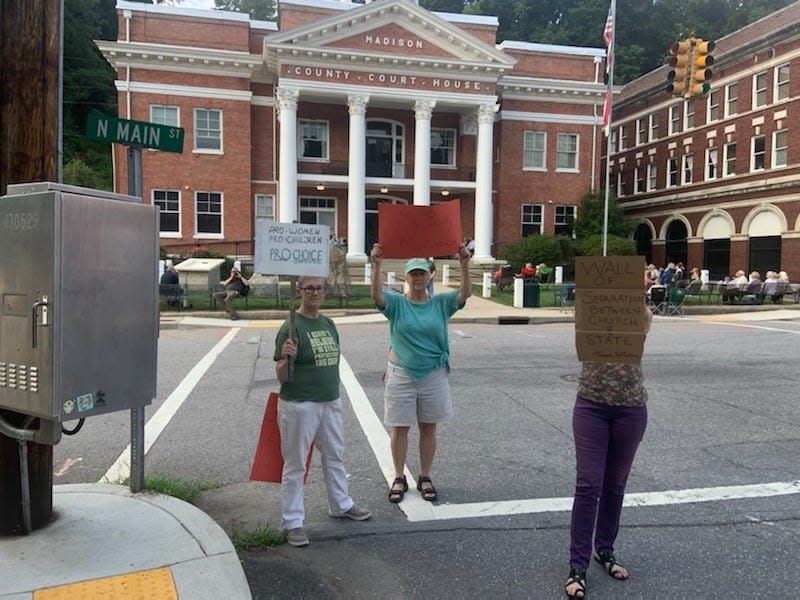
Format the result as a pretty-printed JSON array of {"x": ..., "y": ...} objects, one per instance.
[{"x": 291, "y": 248}]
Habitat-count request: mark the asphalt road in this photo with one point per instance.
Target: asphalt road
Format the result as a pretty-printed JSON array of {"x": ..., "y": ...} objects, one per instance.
[{"x": 715, "y": 479}]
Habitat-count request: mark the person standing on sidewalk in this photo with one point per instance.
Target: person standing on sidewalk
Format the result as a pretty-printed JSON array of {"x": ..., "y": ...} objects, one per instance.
[
  {"x": 417, "y": 390},
  {"x": 608, "y": 422},
  {"x": 234, "y": 287},
  {"x": 310, "y": 411}
]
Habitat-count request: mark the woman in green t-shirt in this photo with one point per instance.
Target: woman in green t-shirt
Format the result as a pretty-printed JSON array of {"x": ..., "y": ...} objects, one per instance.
[{"x": 310, "y": 411}]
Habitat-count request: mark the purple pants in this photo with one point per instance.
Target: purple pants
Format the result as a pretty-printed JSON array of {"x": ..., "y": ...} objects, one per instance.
[{"x": 606, "y": 438}]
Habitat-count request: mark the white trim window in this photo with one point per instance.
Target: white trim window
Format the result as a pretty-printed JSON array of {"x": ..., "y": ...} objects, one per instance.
[
  {"x": 533, "y": 150},
  {"x": 687, "y": 168},
  {"x": 620, "y": 183},
  {"x": 780, "y": 148},
  {"x": 712, "y": 113},
  {"x": 641, "y": 131},
  {"x": 731, "y": 98},
  {"x": 759, "y": 90},
  {"x": 781, "y": 83},
  {"x": 653, "y": 134},
  {"x": 729, "y": 157},
  {"x": 712, "y": 159},
  {"x": 208, "y": 214},
  {"x": 532, "y": 221},
  {"x": 169, "y": 201},
  {"x": 165, "y": 115},
  {"x": 652, "y": 175},
  {"x": 264, "y": 206},
  {"x": 623, "y": 137},
  {"x": 672, "y": 172},
  {"x": 207, "y": 130},
  {"x": 758, "y": 154},
  {"x": 318, "y": 211},
  {"x": 674, "y": 119},
  {"x": 443, "y": 147},
  {"x": 567, "y": 152},
  {"x": 564, "y": 220},
  {"x": 312, "y": 140},
  {"x": 688, "y": 114},
  {"x": 638, "y": 180}
]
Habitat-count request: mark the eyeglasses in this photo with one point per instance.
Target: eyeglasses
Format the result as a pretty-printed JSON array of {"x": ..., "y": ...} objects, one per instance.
[{"x": 313, "y": 289}]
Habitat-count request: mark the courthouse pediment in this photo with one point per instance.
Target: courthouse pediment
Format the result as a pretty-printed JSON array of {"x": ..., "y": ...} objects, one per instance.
[{"x": 387, "y": 32}]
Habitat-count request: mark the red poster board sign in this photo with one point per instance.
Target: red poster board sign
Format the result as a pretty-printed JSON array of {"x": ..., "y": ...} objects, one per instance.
[{"x": 411, "y": 231}]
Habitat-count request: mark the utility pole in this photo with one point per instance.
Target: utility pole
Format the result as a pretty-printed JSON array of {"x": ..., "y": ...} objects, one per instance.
[{"x": 30, "y": 147}]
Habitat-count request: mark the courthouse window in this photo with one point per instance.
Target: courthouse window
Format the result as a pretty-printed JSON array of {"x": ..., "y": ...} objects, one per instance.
[
  {"x": 731, "y": 99},
  {"x": 758, "y": 153},
  {"x": 208, "y": 212},
  {"x": 688, "y": 114},
  {"x": 169, "y": 201},
  {"x": 640, "y": 131},
  {"x": 312, "y": 139},
  {"x": 653, "y": 127},
  {"x": 534, "y": 150},
  {"x": 652, "y": 176},
  {"x": 688, "y": 166},
  {"x": 443, "y": 147},
  {"x": 638, "y": 178},
  {"x": 567, "y": 152},
  {"x": 623, "y": 137},
  {"x": 265, "y": 207},
  {"x": 672, "y": 171},
  {"x": 729, "y": 156},
  {"x": 207, "y": 129},
  {"x": 780, "y": 148},
  {"x": 781, "y": 82},
  {"x": 620, "y": 183},
  {"x": 713, "y": 106},
  {"x": 760, "y": 89},
  {"x": 164, "y": 115},
  {"x": 674, "y": 119},
  {"x": 711, "y": 163},
  {"x": 531, "y": 219},
  {"x": 565, "y": 217}
]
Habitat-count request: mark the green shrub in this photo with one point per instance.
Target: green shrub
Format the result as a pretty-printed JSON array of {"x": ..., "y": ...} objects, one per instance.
[
  {"x": 617, "y": 246},
  {"x": 548, "y": 249}
]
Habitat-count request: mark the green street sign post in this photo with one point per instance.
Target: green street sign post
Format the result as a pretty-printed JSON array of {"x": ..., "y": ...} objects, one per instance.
[{"x": 106, "y": 128}]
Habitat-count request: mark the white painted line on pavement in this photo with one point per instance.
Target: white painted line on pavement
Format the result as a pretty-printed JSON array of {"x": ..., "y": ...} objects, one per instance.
[
  {"x": 121, "y": 469},
  {"x": 748, "y": 326},
  {"x": 417, "y": 509}
]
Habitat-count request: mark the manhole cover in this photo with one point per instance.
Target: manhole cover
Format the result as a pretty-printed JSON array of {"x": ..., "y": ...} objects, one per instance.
[{"x": 570, "y": 377}]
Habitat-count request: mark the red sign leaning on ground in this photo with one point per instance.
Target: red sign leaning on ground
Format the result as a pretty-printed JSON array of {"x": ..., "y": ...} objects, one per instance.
[{"x": 411, "y": 231}]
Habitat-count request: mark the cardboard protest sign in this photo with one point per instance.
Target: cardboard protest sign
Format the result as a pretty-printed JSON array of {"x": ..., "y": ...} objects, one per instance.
[
  {"x": 291, "y": 248},
  {"x": 610, "y": 321},
  {"x": 408, "y": 231}
]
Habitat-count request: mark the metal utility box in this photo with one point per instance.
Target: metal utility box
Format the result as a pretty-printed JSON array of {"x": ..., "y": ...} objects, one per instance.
[{"x": 79, "y": 314}]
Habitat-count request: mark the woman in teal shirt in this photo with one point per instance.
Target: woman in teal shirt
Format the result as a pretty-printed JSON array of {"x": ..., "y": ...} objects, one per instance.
[{"x": 417, "y": 389}]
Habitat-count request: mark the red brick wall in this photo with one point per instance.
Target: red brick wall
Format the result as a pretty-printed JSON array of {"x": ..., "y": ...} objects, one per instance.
[{"x": 179, "y": 30}]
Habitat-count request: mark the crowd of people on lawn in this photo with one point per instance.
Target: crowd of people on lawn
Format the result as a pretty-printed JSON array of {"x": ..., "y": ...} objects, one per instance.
[{"x": 731, "y": 288}]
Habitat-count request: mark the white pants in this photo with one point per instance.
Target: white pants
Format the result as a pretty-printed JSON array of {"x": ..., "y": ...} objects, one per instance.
[{"x": 300, "y": 424}]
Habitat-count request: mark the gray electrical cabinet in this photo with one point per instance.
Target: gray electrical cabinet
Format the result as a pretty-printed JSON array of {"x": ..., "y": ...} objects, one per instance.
[{"x": 79, "y": 314}]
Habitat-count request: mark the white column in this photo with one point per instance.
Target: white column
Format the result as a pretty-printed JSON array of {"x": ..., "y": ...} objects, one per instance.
[
  {"x": 287, "y": 174},
  {"x": 483, "y": 182},
  {"x": 356, "y": 172},
  {"x": 422, "y": 152}
]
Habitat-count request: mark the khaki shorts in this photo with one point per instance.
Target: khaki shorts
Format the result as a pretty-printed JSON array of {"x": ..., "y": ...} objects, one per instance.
[{"x": 407, "y": 402}]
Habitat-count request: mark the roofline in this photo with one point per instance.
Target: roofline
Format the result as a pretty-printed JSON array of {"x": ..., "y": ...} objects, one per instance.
[
  {"x": 200, "y": 13},
  {"x": 551, "y": 48}
]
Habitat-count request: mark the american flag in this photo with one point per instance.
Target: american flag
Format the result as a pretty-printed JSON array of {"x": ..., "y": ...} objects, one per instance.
[{"x": 608, "y": 38}]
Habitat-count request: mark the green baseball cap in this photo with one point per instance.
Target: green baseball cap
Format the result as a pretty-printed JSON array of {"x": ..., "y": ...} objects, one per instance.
[{"x": 418, "y": 264}]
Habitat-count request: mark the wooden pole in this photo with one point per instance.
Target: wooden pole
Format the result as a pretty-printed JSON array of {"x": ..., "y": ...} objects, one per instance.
[
  {"x": 292, "y": 328},
  {"x": 30, "y": 133}
]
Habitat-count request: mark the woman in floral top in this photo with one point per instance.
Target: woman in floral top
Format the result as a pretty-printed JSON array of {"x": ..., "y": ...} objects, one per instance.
[{"x": 608, "y": 422}]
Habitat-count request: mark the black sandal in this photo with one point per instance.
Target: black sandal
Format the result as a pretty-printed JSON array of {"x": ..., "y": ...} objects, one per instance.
[
  {"x": 609, "y": 561},
  {"x": 429, "y": 493},
  {"x": 396, "y": 496},
  {"x": 578, "y": 576}
]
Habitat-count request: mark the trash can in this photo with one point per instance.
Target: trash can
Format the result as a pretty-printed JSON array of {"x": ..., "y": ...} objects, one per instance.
[{"x": 530, "y": 294}]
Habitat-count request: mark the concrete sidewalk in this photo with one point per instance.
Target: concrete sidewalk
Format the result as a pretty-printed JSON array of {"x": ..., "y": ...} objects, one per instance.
[{"x": 105, "y": 542}]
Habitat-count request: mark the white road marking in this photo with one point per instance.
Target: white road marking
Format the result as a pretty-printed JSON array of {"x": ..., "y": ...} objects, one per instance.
[
  {"x": 121, "y": 469},
  {"x": 748, "y": 326},
  {"x": 417, "y": 509}
]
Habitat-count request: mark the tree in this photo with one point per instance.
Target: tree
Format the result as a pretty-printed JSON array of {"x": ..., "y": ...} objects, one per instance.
[
  {"x": 448, "y": 6},
  {"x": 259, "y": 10},
  {"x": 590, "y": 216}
]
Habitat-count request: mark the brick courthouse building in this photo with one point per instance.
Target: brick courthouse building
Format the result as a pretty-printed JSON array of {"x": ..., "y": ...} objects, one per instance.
[
  {"x": 715, "y": 181},
  {"x": 338, "y": 107}
]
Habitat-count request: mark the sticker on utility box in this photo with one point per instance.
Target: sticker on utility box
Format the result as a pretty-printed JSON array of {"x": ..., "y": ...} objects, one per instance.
[{"x": 84, "y": 402}]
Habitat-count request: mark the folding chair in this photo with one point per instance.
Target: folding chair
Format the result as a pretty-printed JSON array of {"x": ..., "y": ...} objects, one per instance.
[
  {"x": 658, "y": 300},
  {"x": 565, "y": 297},
  {"x": 675, "y": 301}
]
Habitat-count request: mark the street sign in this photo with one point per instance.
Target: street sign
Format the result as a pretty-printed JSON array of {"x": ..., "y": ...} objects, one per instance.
[{"x": 106, "y": 128}]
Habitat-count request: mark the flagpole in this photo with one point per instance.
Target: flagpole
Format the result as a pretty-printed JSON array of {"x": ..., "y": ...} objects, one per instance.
[{"x": 610, "y": 95}]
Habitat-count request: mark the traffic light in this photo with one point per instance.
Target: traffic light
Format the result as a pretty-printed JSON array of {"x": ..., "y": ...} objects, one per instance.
[
  {"x": 678, "y": 75},
  {"x": 700, "y": 72}
]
